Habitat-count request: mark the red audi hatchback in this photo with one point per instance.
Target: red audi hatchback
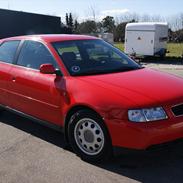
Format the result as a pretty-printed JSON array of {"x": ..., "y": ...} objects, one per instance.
[{"x": 92, "y": 91}]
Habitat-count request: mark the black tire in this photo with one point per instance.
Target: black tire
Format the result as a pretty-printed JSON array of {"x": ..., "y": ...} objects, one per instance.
[
  {"x": 163, "y": 55},
  {"x": 105, "y": 151},
  {"x": 2, "y": 110}
]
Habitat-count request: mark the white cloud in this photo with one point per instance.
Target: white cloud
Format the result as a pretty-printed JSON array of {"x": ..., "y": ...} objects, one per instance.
[
  {"x": 102, "y": 14},
  {"x": 115, "y": 12}
]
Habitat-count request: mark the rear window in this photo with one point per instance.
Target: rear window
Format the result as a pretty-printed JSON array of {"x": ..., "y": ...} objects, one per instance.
[{"x": 8, "y": 51}]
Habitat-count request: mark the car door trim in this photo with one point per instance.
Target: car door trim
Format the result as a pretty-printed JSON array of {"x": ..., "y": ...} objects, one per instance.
[
  {"x": 39, "y": 101},
  {"x": 32, "y": 118}
]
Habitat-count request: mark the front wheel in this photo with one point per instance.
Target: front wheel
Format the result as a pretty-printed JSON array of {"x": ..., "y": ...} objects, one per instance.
[{"x": 89, "y": 137}]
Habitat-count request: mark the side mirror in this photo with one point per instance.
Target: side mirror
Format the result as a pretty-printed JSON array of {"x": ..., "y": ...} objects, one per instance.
[{"x": 47, "y": 69}]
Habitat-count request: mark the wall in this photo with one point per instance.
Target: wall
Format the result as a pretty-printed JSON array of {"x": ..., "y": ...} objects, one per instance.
[{"x": 15, "y": 23}]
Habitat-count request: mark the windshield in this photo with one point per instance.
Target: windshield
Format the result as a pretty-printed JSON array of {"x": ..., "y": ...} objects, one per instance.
[{"x": 89, "y": 57}]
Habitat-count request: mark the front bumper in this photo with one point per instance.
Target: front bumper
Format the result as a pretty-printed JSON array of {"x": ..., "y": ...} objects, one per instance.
[{"x": 144, "y": 135}]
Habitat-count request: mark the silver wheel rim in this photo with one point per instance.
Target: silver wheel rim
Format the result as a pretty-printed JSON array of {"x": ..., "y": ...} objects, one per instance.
[{"x": 89, "y": 136}]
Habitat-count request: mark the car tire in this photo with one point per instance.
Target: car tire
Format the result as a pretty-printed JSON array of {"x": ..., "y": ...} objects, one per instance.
[
  {"x": 2, "y": 109},
  {"x": 89, "y": 137}
]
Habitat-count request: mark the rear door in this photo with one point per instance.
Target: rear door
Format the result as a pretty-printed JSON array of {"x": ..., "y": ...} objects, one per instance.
[
  {"x": 8, "y": 51},
  {"x": 35, "y": 93},
  {"x": 140, "y": 42}
]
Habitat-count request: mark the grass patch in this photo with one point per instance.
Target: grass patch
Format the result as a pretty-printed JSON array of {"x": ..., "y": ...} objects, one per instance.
[
  {"x": 175, "y": 49},
  {"x": 120, "y": 46}
]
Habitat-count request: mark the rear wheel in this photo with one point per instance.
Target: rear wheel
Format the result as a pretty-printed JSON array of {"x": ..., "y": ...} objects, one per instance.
[{"x": 89, "y": 137}]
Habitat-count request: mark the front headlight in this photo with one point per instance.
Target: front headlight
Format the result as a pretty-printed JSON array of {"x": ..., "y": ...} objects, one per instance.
[{"x": 147, "y": 115}]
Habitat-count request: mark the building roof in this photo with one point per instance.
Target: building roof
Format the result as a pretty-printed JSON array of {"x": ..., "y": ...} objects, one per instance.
[{"x": 22, "y": 12}]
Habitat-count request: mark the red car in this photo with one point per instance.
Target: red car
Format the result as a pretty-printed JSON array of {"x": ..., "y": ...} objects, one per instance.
[{"x": 97, "y": 95}]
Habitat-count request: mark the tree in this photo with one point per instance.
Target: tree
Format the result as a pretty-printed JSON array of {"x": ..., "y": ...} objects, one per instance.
[
  {"x": 67, "y": 19},
  {"x": 108, "y": 24},
  {"x": 119, "y": 34},
  {"x": 87, "y": 27},
  {"x": 76, "y": 24},
  {"x": 99, "y": 27},
  {"x": 71, "y": 24}
]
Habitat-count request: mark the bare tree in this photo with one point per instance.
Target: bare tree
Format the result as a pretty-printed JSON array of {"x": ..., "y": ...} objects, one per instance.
[
  {"x": 176, "y": 22},
  {"x": 157, "y": 18},
  {"x": 92, "y": 13},
  {"x": 129, "y": 17}
]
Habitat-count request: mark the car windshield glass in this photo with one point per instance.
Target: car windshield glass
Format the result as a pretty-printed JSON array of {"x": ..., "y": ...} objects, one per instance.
[{"x": 88, "y": 57}]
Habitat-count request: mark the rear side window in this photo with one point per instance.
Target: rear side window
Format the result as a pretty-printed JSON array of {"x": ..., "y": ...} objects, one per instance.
[
  {"x": 8, "y": 51},
  {"x": 33, "y": 54}
]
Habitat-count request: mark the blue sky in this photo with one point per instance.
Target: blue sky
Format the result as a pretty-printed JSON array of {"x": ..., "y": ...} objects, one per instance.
[{"x": 81, "y": 8}]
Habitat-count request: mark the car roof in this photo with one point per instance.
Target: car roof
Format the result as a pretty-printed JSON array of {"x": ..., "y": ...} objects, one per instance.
[{"x": 51, "y": 37}]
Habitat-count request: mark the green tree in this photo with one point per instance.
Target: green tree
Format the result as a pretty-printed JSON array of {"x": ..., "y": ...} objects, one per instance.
[
  {"x": 108, "y": 24},
  {"x": 76, "y": 24},
  {"x": 87, "y": 27},
  {"x": 71, "y": 24},
  {"x": 99, "y": 27},
  {"x": 119, "y": 33},
  {"x": 67, "y": 19}
]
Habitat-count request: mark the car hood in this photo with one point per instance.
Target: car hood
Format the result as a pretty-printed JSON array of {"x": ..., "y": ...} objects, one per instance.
[{"x": 141, "y": 87}]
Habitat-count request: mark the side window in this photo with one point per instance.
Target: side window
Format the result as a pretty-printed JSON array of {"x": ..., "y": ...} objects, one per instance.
[
  {"x": 8, "y": 51},
  {"x": 33, "y": 54}
]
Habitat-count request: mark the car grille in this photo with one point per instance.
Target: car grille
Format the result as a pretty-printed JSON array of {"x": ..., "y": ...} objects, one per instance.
[{"x": 178, "y": 110}]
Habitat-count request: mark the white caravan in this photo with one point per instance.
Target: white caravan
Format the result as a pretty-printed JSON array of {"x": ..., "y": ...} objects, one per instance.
[{"x": 146, "y": 39}]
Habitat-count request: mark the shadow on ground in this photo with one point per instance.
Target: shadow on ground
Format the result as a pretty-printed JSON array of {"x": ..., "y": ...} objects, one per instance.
[
  {"x": 33, "y": 128},
  {"x": 163, "y": 165},
  {"x": 166, "y": 60}
]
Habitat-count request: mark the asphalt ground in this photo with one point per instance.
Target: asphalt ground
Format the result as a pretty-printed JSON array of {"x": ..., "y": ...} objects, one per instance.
[{"x": 32, "y": 153}]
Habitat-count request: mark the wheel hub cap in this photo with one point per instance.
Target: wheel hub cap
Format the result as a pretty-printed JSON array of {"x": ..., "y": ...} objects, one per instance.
[{"x": 89, "y": 136}]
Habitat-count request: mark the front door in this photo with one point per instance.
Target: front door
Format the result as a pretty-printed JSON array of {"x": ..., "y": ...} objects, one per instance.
[{"x": 32, "y": 92}]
